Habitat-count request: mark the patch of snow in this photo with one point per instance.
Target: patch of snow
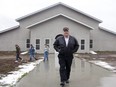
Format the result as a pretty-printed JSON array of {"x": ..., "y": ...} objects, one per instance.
[
  {"x": 94, "y": 58},
  {"x": 92, "y": 52},
  {"x": 103, "y": 64},
  {"x": 13, "y": 78},
  {"x": 23, "y": 53},
  {"x": 76, "y": 54}
]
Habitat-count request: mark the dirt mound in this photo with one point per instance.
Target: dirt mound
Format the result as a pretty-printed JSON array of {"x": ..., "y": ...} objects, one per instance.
[{"x": 7, "y": 65}]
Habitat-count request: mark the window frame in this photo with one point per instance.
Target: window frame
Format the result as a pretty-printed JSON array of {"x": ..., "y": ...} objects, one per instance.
[
  {"x": 91, "y": 43},
  {"x": 82, "y": 44},
  {"x": 27, "y": 43},
  {"x": 37, "y": 44},
  {"x": 47, "y": 43}
]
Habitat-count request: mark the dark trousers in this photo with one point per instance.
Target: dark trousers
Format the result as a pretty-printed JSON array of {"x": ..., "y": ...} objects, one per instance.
[
  {"x": 65, "y": 68},
  {"x": 18, "y": 56}
]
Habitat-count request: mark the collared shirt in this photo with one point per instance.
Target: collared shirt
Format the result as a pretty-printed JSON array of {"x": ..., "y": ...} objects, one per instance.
[{"x": 66, "y": 40}]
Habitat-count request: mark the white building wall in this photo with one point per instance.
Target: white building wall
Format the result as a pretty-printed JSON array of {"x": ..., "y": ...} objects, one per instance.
[
  {"x": 103, "y": 40},
  {"x": 24, "y": 33},
  {"x": 78, "y": 16},
  {"x": 53, "y": 27},
  {"x": 10, "y": 38},
  {"x": 59, "y": 9}
]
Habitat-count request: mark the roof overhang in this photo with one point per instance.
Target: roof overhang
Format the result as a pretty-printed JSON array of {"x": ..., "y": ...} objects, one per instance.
[
  {"x": 9, "y": 29},
  {"x": 60, "y": 3},
  {"x": 30, "y": 26},
  {"x": 107, "y": 30}
]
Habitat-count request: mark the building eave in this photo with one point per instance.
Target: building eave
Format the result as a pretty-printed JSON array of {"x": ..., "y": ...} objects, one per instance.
[
  {"x": 9, "y": 29},
  {"x": 107, "y": 30},
  {"x": 30, "y": 26},
  {"x": 60, "y": 3},
  {"x": 82, "y": 12},
  {"x": 38, "y": 11}
]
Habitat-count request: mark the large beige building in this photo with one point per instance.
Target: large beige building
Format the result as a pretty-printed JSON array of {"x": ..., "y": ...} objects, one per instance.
[{"x": 41, "y": 27}]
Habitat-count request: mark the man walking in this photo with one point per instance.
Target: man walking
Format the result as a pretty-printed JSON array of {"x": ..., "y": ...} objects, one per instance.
[
  {"x": 18, "y": 51},
  {"x": 32, "y": 53},
  {"x": 66, "y": 45}
]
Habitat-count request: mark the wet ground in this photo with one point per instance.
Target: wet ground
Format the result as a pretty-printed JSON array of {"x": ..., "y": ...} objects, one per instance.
[
  {"x": 83, "y": 74},
  {"x": 108, "y": 57},
  {"x": 8, "y": 64}
]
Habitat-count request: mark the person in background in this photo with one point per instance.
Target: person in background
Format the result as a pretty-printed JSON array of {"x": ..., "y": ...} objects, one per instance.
[
  {"x": 46, "y": 52},
  {"x": 66, "y": 45},
  {"x": 32, "y": 53},
  {"x": 18, "y": 51}
]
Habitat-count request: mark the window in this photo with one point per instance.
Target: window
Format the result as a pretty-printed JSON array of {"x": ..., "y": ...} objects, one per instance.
[
  {"x": 28, "y": 43},
  {"x": 82, "y": 44},
  {"x": 91, "y": 43},
  {"x": 37, "y": 44},
  {"x": 47, "y": 42}
]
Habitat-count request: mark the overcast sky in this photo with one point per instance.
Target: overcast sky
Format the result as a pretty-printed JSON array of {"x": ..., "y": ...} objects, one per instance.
[{"x": 101, "y": 9}]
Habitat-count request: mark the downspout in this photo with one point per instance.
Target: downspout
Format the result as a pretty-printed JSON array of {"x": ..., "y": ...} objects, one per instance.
[
  {"x": 30, "y": 35},
  {"x": 90, "y": 37}
]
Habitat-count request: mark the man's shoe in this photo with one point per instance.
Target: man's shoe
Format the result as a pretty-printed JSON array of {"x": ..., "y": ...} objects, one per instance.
[
  {"x": 67, "y": 81},
  {"x": 62, "y": 83}
]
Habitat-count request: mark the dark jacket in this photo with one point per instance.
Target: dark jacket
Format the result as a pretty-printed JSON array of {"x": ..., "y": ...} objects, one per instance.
[
  {"x": 18, "y": 50},
  {"x": 60, "y": 46}
]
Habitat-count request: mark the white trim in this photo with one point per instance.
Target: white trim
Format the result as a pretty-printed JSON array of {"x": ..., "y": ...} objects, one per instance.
[
  {"x": 107, "y": 30},
  {"x": 38, "y": 11},
  {"x": 58, "y": 16},
  {"x": 81, "y": 12},
  {"x": 60, "y": 3},
  {"x": 11, "y": 28}
]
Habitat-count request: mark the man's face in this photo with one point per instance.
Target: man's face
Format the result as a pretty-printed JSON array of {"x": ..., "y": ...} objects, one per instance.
[{"x": 66, "y": 33}]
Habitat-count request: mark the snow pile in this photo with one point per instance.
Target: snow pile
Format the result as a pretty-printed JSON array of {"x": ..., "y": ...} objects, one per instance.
[
  {"x": 92, "y": 52},
  {"x": 23, "y": 53},
  {"x": 103, "y": 64},
  {"x": 13, "y": 78}
]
